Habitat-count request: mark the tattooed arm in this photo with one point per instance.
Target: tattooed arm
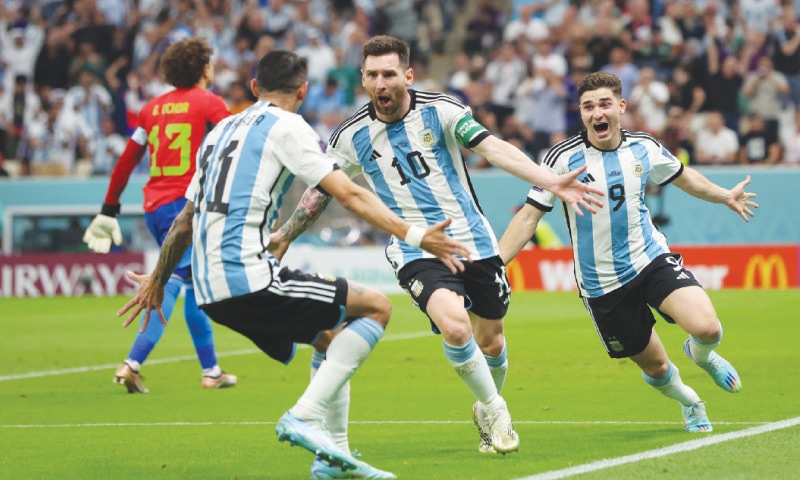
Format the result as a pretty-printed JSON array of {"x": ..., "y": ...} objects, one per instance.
[
  {"x": 310, "y": 207},
  {"x": 151, "y": 287}
]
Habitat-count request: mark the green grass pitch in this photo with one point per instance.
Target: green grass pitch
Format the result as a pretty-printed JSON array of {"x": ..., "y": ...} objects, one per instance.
[{"x": 61, "y": 416}]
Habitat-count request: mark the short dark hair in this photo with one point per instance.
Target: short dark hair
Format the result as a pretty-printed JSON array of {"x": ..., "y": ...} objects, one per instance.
[
  {"x": 384, "y": 45},
  {"x": 185, "y": 61},
  {"x": 596, "y": 80},
  {"x": 281, "y": 71}
]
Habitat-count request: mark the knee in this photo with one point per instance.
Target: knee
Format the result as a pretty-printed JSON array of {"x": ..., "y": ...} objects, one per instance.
[
  {"x": 709, "y": 332},
  {"x": 491, "y": 344},
  {"x": 382, "y": 309},
  {"x": 656, "y": 369},
  {"x": 455, "y": 331}
]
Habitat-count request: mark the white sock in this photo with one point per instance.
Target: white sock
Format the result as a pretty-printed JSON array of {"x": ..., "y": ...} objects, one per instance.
[
  {"x": 135, "y": 366},
  {"x": 338, "y": 410},
  {"x": 470, "y": 364},
  {"x": 214, "y": 371},
  {"x": 672, "y": 386},
  {"x": 699, "y": 350},
  {"x": 346, "y": 353}
]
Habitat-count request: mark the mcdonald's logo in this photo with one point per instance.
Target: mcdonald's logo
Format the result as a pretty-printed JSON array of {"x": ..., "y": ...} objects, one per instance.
[
  {"x": 765, "y": 269},
  {"x": 515, "y": 274}
]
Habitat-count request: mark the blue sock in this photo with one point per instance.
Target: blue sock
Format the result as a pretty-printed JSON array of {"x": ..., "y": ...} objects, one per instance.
[
  {"x": 147, "y": 340},
  {"x": 200, "y": 329}
]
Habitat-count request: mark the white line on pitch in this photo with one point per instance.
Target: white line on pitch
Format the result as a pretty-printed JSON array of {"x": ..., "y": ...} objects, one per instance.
[
  {"x": 358, "y": 422},
  {"x": 662, "y": 452},
  {"x": 183, "y": 358}
]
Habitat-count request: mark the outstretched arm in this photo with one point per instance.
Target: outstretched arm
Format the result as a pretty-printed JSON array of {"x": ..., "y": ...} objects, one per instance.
[
  {"x": 519, "y": 231},
  {"x": 369, "y": 208},
  {"x": 151, "y": 287},
  {"x": 566, "y": 187},
  {"x": 311, "y": 205},
  {"x": 696, "y": 184}
]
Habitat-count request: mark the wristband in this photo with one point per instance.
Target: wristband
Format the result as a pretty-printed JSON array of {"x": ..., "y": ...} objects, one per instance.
[
  {"x": 414, "y": 236},
  {"x": 109, "y": 210}
]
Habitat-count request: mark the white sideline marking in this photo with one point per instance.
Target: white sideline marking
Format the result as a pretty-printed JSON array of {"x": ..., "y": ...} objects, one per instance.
[
  {"x": 662, "y": 452},
  {"x": 362, "y": 422},
  {"x": 183, "y": 358}
]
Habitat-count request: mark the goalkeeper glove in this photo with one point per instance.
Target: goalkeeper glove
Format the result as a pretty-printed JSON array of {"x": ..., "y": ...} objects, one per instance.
[{"x": 103, "y": 230}]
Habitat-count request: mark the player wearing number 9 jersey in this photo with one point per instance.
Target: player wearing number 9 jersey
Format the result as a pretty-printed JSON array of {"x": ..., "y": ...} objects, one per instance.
[{"x": 172, "y": 126}]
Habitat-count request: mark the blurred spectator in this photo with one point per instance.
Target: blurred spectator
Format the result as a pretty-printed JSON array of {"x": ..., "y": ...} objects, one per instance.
[
  {"x": 637, "y": 28},
  {"x": 619, "y": 63},
  {"x": 20, "y": 42},
  {"x": 52, "y": 64},
  {"x": 57, "y": 138},
  {"x": 649, "y": 99},
  {"x": 688, "y": 94},
  {"x": 658, "y": 54},
  {"x": 351, "y": 38},
  {"x": 90, "y": 99},
  {"x": 323, "y": 98},
  {"x": 88, "y": 59},
  {"x": 764, "y": 90},
  {"x": 675, "y": 136},
  {"x": 106, "y": 147},
  {"x": 541, "y": 105},
  {"x": 758, "y": 146},
  {"x": 277, "y": 19},
  {"x": 722, "y": 82},
  {"x": 758, "y": 15},
  {"x": 504, "y": 74},
  {"x": 320, "y": 55},
  {"x": 484, "y": 30},
  {"x": 19, "y": 106},
  {"x": 603, "y": 40},
  {"x": 716, "y": 144},
  {"x": 786, "y": 56}
]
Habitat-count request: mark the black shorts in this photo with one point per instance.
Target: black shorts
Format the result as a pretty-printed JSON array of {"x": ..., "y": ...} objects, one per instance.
[
  {"x": 623, "y": 318},
  {"x": 483, "y": 284},
  {"x": 295, "y": 308}
]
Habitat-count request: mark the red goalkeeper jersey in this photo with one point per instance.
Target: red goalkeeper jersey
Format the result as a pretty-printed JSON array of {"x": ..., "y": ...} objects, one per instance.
[{"x": 173, "y": 126}]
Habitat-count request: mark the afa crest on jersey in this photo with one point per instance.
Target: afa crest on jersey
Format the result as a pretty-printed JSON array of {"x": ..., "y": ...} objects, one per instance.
[
  {"x": 427, "y": 137},
  {"x": 638, "y": 169}
]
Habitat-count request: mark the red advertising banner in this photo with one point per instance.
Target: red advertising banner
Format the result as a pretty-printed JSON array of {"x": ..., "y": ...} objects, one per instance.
[
  {"x": 68, "y": 275},
  {"x": 716, "y": 267}
]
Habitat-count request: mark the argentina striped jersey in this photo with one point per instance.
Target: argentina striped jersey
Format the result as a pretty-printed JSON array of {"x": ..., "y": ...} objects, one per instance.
[
  {"x": 416, "y": 168},
  {"x": 245, "y": 166},
  {"x": 612, "y": 246}
]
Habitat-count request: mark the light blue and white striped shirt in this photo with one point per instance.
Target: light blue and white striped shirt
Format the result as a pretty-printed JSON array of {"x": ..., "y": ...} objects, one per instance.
[
  {"x": 245, "y": 166},
  {"x": 614, "y": 245},
  {"x": 416, "y": 168}
]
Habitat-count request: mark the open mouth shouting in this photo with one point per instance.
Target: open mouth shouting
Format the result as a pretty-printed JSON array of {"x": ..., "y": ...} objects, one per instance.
[
  {"x": 600, "y": 127},
  {"x": 384, "y": 101}
]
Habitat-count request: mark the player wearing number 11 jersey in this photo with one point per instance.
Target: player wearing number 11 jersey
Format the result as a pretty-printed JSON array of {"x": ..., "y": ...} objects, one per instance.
[{"x": 172, "y": 126}]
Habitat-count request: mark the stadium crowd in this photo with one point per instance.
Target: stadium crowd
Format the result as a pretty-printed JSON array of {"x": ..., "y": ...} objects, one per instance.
[{"x": 717, "y": 80}]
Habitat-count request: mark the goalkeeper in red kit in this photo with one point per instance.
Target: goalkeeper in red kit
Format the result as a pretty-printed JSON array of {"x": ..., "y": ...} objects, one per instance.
[{"x": 173, "y": 126}]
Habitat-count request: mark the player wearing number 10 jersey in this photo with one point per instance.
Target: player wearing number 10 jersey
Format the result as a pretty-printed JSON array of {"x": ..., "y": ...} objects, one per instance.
[
  {"x": 173, "y": 126},
  {"x": 407, "y": 144}
]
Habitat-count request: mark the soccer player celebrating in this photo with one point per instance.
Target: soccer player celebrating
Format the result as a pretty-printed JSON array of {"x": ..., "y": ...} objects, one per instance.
[
  {"x": 406, "y": 143},
  {"x": 247, "y": 163},
  {"x": 172, "y": 126},
  {"x": 622, "y": 262}
]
